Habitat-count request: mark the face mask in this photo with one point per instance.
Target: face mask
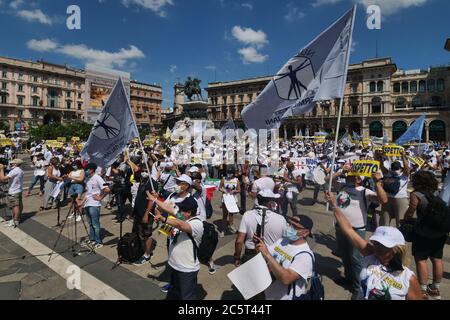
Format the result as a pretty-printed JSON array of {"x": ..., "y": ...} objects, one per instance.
[
  {"x": 144, "y": 175},
  {"x": 291, "y": 234},
  {"x": 177, "y": 189},
  {"x": 180, "y": 216}
]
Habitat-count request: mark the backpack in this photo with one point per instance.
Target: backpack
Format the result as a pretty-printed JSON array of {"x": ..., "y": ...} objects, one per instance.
[
  {"x": 316, "y": 289},
  {"x": 435, "y": 222},
  {"x": 129, "y": 248},
  {"x": 208, "y": 245}
]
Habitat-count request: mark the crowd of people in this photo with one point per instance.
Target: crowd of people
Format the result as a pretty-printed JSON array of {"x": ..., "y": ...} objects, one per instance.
[{"x": 164, "y": 191}]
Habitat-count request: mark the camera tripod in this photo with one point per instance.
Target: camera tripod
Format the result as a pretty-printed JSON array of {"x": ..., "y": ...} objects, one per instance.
[{"x": 72, "y": 237}]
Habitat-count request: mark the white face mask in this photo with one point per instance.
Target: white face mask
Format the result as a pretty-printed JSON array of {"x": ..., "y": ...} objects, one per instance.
[{"x": 398, "y": 172}]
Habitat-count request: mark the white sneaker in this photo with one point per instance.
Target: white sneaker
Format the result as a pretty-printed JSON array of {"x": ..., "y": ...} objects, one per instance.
[
  {"x": 11, "y": 224},
  {"x": 71, "y": 216},
  {"x": 221, "y": 234},
  {"x": 232, "y": 229},
  {"x": 78, "y": 219},
  {"x": 98, "y": 246}
]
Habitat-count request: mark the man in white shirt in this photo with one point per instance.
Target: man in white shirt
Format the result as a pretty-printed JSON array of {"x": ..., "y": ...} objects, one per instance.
[
  {"x": 96, "y": 191},
  {"x": 251, "y": 224},
  {"x": 39, "y": 165},
  {"x": 353, "y": 199},
  {"x": 15, "y": 179},
  {"x": 261, "y": 182},
  {"x": 290, "y": 260},
  {"x": 183, "y": 261}
]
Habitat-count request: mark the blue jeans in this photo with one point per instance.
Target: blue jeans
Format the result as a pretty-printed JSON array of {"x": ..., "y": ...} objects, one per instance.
[
  {"x": 351, "y": 259},
  {"x": 75, "y": 189},
  {"x": 93, "y": 215},
  {"x": 35, "y": 180}
]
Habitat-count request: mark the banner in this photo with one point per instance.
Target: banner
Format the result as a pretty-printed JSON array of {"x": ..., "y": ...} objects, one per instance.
[
  {"x": 393, "y": 150},
  {"x": 364, "y": 168},
  {"x": 366, "y": 143},
  {"x": 4, "y": 142},
  {"x": 416, "y": 160},
  {"x": 320, "y": 140},
  {"x": 75, "y": 139},
  {"x": 62, "y": 139}
]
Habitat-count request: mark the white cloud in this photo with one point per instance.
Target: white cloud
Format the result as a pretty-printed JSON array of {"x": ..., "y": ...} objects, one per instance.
[
  {"x": 294, "y": 14},
  {"x": 15, "y": 4},
  {"x": 156, "y": 6},
  {"x": 249, "y": 36},
  {"x": 88, "y": 55},
  {"x": 173, "y": 68},
  {"x": 247, "y": 5},
  {"x": 251, "y": 55},
  {"x": 388, "y": 7},
  {"x": 35, "y": 15},
  {"x": 212, "y": 68}
]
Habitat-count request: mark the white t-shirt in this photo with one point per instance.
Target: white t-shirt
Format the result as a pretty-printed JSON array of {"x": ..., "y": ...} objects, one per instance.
[
  {"x": 39, "y": 168},
  {"x": 15, "y": 181},
  {"x": 403, "y": 191},
  {"x": 302, "y": 264},
  {"x": 200, "y": 197},
  {"x": 94, "y": 186},
  {"x": 171, "y": 182},
  {"x": 352, "y": 204},
  {"x": 274, "y": 227},
  {"x": 181, "y": 253},
  {"x": 378, "y": 284}
]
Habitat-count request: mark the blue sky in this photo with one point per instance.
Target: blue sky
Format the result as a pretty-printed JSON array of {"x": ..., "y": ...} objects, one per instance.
[{"x": 160, "y": 41}]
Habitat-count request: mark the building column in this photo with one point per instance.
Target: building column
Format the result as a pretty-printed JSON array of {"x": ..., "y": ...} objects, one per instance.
[
  {"x": 285, "y": 132},
  {"x": 296, "y": 130}
]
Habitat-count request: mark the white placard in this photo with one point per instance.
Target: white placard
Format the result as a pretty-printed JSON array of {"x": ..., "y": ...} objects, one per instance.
[
  {"x": 251, "y": 278},
  {"x": 230, "y": 203}
]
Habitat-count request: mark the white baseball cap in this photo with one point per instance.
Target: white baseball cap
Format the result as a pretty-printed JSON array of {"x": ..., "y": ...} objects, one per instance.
[
  {"x": 388, "y": 237},
  {"x": 194, "y": 169},
  {"x": 185, "y": 178},
  {"x": 267, "y": 193}
]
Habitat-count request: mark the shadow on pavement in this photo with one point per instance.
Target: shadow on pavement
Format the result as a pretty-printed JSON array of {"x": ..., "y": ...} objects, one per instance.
[
  {"x": 326, "y": 240},
  {"x": 224, "y": 260},
  {"x": 27, "y": 215},
  {"x": 232, "y": 294}
]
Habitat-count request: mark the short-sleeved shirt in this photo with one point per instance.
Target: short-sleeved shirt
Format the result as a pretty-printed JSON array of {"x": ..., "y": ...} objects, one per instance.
[
  {"x": 354, "y": 207},
  {"x": 181, "y": 250},
  {"x": 378, "y": 283},
  {"x": 94, "y": 186},
  {"x": 274, "y": 227},
  {"x": 15, "y": 181},
  {"x": 287, "y": 255}
]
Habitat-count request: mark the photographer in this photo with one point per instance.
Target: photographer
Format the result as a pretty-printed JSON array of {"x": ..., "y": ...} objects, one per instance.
[
  {"x": 15, "y": 179},
  {"x": 121, "y": 187}
]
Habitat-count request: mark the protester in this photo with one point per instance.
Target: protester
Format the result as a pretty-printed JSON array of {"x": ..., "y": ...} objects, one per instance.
[
  {"x": 427, "y": 242},
  {"x": 384, "y": 273},
  {"x": 53, "y": 178},
  {"x": 289, "y": 259},
  {"x": 96, "y": 191},
  {"x": 15, "y": 179},
  {"x": 229, "y": 185},
  {"x": 39, "y": 165}
]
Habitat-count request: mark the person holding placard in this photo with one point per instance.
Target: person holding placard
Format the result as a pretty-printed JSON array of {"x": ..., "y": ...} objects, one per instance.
[
  {"x": 353, "y": 200},
  {"x": 229, "y": 186}
]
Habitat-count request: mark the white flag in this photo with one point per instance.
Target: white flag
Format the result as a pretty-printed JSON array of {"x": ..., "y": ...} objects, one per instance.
[{"x": 317, "y": 73}]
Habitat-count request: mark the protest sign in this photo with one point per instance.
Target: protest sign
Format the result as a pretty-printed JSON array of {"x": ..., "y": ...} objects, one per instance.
[
  {"x": 365, "y": 168},
  {"x": 4, "y": 142},
  {"x": 62, "y": 139},
  {"x": 416, "y": 160},
  {"x": 393, "y": 150}
]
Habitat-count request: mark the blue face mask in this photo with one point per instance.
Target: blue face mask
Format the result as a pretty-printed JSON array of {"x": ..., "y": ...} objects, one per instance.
[
  {"x": 86, "y": 172},
  {"x": 291, "y": 234}
]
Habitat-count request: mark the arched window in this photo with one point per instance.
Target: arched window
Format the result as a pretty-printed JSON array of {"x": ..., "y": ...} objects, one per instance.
[
  {"x": 400, "y": 103},
  {"x": 372, "y": 86},
  {"x": 405, "y": 87},
  {"x": 376, "y": 105},
  {"x": 4, "y": 98},
  {"x": 380, "y": 86},
  {"x": 398, "y": 128},
  {"x": 413, "y": 86},
  {"x": 437, "y": 131},
  {"x": 440, "y": 85},
  {"x": 417, "y": 102},
  {"x": 422, "y": 86},
  {"x": 431, "y": 85},
  {"x": 397, "y": 87},
  {"x": 376, "y": 129}
]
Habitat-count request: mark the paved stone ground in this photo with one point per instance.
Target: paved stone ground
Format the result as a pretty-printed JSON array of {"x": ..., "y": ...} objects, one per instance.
[{"x": 30, "y": 279}]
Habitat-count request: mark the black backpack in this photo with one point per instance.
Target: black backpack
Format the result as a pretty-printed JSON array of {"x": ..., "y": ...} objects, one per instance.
[
  {"x": 210, "y": 239},
  {"x": 316, "y": 290},
  {"x": 130, "y": 248},
  {"x": 435, "y": 222}
]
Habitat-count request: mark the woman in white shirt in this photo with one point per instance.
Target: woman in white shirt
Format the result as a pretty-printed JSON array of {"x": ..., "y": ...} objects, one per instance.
[{"x": 384, "y": 275}]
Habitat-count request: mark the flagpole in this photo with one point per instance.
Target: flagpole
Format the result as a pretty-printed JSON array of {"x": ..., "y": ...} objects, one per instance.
[
  {"x": 344, "y": 82},
  {"x": 140, "y": 142}
]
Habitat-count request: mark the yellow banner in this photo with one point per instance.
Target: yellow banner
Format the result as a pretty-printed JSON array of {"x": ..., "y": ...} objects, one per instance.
[
  {"x": 320, "y": 141},
  {"x": 417, "y": 161},
  {"x": 75, "y": 139},
  {"x": 5, "y": 142},
  {"x": 393, "y": 150},
  {"x": 365, "y": 168},
  {"x": 54, "y": 144},
  {"x": 147, "y": 143},
  {"x": 62, "y": 139}
]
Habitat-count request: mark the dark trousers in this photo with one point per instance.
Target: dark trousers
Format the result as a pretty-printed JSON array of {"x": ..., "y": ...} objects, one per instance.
[
  {"x": 351, "y": 259},
  {"x": 121, "y": 198},
  {"x": 243, "y": 199},
  {"x": 184, "y": 285},
  {"x": 444, "y": 174},
  {"x": 289, "y": 202}
]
